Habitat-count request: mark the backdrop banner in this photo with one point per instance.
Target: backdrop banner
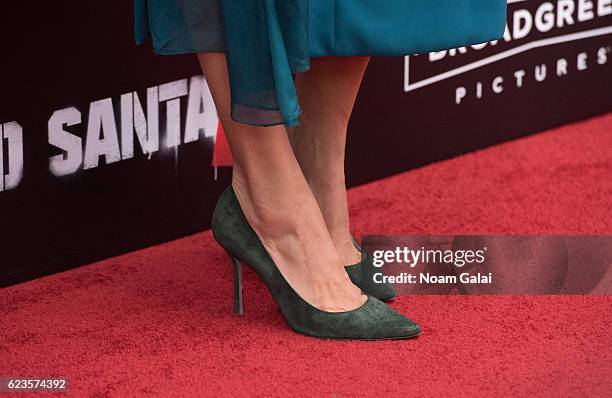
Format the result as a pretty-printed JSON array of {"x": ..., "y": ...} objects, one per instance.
[{"x": 107, "y": 148}]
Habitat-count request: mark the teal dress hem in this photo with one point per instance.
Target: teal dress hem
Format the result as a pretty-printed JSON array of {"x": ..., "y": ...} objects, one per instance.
[{"x": 265, "y": 41}]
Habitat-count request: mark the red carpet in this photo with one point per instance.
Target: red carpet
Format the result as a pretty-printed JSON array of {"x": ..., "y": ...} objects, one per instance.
[{"x": 158, "y": 321}]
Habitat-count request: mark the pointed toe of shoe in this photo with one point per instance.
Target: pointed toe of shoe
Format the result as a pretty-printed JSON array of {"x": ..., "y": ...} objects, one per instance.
[
  {"x": 408, "y": 330},
  {"x": 388, "y": 323},
  {"x": 401, "y": 327},
  {"x": 374, "y": 320}
]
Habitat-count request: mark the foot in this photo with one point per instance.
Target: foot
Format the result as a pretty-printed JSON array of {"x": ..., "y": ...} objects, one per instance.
[{"x": 287, "y": 219}]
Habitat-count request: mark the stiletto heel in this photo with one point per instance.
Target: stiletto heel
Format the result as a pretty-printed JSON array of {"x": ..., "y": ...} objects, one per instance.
[
  {"x": 374, "y": 320},
  {"x": 237, "y": 267}
]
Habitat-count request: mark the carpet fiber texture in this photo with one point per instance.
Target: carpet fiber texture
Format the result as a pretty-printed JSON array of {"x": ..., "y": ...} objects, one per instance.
[{"x": 159, "y": 321}]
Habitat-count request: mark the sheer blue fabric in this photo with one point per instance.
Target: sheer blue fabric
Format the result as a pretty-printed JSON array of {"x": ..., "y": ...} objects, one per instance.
[{"x": 266, "y": 43}]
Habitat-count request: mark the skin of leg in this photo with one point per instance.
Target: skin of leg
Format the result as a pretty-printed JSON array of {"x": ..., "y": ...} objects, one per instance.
[
  {"x": 327, "y": 95},
  {"x": 278, "y": 203}
]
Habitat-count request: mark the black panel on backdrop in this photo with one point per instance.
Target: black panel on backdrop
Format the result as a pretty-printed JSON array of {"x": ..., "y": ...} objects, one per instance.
[{"x": 76, "y": 96}]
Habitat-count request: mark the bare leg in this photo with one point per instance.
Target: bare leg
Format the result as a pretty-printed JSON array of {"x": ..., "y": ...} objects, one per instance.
[
  {"x": 279, "y": 205},
  {"x": 327, "y": 95}
]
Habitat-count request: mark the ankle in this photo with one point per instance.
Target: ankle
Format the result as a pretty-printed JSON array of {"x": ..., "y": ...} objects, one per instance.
[
  {"x": 270, "y": 209},
  {"x": 317, "y": 153}
]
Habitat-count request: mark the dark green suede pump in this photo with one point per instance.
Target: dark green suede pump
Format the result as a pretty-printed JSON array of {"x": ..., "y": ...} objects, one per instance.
[
  {"x": 374, "y": 320},
  {"x": 361, "y": 275}
]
